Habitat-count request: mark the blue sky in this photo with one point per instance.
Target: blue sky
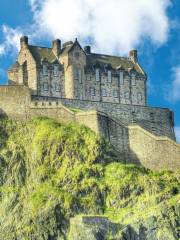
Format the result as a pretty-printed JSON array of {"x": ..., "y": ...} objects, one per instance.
[{"x": 113, "y": 27}]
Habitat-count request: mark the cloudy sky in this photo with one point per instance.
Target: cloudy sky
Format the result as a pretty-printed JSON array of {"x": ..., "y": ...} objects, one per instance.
[{"x": 111, "y": 27}]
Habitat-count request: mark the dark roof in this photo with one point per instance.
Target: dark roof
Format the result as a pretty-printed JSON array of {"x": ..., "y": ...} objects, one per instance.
[
  {"x": 114, "y": 62},
  {"x": 41, "y": 53},
  {"x": 93, "y": 59}
]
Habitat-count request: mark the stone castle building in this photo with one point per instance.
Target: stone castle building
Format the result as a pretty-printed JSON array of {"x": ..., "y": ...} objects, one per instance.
[
  {"x": 106, "y": 93},
  {"x": 75, "y": 73}
]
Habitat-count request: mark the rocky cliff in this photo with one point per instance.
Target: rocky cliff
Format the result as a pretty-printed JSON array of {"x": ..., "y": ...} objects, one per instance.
[{"x": 61, "y": 181}]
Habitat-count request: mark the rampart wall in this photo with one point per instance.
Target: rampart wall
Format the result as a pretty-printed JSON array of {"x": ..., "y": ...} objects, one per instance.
[
  {"x": 14, "y": 101},
  {"x": 134, "y": 143},
  {"x": 154, "y": 152},
  {"x": 158, "y": 121}
]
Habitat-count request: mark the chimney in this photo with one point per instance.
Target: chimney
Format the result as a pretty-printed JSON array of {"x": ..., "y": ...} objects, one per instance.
[
  {"x": 87, "y": 49},
  {"x": 24, "y": 41},
  {"x": 56, "y": 47},
  {"x": 133, "y": 55}
]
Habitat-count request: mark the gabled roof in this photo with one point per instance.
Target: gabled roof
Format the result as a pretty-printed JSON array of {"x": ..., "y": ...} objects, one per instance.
[
  {"x": 40, "y": 53},
  {"x": 70, "y": 47}
]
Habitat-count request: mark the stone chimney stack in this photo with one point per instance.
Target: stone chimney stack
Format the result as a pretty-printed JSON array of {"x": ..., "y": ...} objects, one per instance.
[
  {"x": 133, "y": 54},
  {"x": 24, "y": 42},
  {"x": 87, "y": 49},
  {"x": 56, "y": 47}
]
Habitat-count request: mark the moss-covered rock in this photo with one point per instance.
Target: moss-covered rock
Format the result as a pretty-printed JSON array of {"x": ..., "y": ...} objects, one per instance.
[{"x": 50, "y": 172}]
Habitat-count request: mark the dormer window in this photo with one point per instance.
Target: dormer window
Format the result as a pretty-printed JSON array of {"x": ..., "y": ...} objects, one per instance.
[
  {"x": 45, "y": 70},
  {"x": 109, "y": 76},
  {"x": 56, "y": 70},
  {"x": 97, "y": 75}
]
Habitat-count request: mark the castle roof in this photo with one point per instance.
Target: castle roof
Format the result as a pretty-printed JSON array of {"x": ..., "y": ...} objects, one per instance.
[
  {"x": 104, "y": 62},
  {"x": 114, "y": 62},
  {"x": 40, "y": 53}
]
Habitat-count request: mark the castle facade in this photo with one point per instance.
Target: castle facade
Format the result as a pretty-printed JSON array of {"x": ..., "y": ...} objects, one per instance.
[
  {"x": 106, "y": 93},
  {"x": 75, "y": 73}
]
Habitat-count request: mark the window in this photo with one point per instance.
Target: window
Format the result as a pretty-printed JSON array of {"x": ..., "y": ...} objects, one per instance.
[
  {"x": 45, "y": 70},
  {"x": 78, "y": 74},
  {"x": 92, "y": 91},
  {"x": 139, "y": 96},
  {"x": 97, "y": 74},
  {"x": 88, "y": 77},
  {"x": 104, "y": 93},
  {"x": 126, "y": 95},
  {"x": 133, "y": 79},
  {"x": 76, "y": 54},
  {"x": 45, "y": 86},
  {"x": 151, "y": 116},
  {"x": 57, "y": 87},
  {"x": 109, "y": 76},
  {"x": 115, "y": 93},
  {"x": 121, "y": 78},
  {"x": 56, "y": 70}
]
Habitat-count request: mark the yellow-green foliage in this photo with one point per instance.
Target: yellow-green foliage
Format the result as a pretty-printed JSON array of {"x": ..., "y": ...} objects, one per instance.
[{"x": 51, "y": 171}]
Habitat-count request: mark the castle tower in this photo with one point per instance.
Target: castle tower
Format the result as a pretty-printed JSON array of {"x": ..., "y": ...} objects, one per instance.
[{"x": 74, "y": 59}]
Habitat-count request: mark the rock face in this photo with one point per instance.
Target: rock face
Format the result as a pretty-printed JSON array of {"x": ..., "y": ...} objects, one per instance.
[
  {"x": 99, "y": 228},
  {"x": 63, "y": 182}
]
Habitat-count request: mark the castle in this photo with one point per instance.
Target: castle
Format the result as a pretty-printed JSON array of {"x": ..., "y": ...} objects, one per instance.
[{"x": 106, "y": 93}]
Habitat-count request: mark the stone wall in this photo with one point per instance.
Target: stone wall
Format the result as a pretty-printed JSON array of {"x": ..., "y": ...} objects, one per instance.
[
  {"x": 134, "y": 144},
  {"x": 158, "y": 121},
  {"x": 153, "y": 152},
  {"x": 14, "y": 101}
]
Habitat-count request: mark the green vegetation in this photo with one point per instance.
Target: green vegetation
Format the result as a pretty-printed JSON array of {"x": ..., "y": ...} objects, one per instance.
[{"x": 50, "y": 172}]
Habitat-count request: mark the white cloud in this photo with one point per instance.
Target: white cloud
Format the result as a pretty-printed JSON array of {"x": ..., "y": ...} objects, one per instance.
[
  {"x": 112, "y": 25},
  {"x": 177, "y": 131},
  {"x": 175, "y": 88},
  {"x": 11, "y": 40}
]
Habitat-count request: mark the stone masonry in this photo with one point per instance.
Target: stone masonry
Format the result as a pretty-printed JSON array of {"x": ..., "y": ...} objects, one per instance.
[{"x": 106, "y": 93}]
